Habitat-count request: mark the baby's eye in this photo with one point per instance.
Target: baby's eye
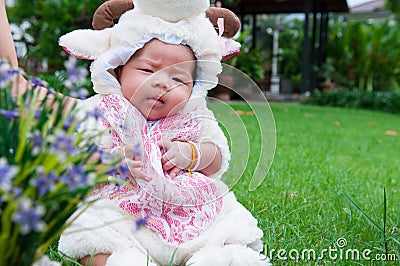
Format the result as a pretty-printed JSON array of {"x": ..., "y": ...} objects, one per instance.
[
  {"x": 146, "y": 70},
  {"x": 178, "y": 80}
]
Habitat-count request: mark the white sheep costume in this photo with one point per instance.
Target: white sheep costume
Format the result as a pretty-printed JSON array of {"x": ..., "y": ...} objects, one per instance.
[{"x": 102, "y": 227}]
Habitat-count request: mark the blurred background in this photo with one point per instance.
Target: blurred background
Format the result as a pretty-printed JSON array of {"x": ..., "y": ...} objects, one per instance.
[{"x": 290, "y": 48}]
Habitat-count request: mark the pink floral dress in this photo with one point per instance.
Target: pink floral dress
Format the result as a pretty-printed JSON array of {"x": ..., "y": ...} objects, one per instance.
[{"x": 179, "y": 209}]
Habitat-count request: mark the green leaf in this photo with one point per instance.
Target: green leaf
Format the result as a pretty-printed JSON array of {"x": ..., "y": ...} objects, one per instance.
[{"x": 369, "y": 219}]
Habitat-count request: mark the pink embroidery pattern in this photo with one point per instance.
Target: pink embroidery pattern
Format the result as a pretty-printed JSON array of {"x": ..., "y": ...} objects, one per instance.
[{"x": 179, "y": 209}]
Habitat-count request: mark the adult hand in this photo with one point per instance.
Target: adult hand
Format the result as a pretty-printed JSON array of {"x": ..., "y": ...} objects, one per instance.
[
  {"x": 177, "y": 156},
  {"x": 7, "y": 47}
]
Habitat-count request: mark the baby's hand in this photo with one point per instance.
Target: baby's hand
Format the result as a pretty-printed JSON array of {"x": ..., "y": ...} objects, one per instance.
[
  {"x": 132, "y": 161},
  {"x": 177, "y": 156}
]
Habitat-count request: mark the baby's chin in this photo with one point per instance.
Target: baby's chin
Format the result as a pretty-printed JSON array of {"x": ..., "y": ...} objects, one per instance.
[
  {"x": 156, "y": 115},
  {"x": 158, "y": 111}
]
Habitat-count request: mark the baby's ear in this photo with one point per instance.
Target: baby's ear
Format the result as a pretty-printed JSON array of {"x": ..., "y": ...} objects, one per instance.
[{"x": 86, "y": 44}]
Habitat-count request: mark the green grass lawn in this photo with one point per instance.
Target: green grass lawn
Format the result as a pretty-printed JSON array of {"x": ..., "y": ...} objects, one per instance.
[{"x": 326, "y": 182}]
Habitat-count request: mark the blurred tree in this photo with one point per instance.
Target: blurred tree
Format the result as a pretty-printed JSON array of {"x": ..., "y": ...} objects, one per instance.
[
  {"x": 394, "y": 6},
  {"x": 366, "y": 55},
  {"x": 360, "y": 54},
  {"x": 47, "y": 20},
  {"x": 249, "y": 60},
  {"x": 290, "y": 49}
]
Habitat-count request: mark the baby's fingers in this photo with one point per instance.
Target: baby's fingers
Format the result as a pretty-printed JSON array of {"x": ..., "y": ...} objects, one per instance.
[
  {"x": 168, "y": 165},
  {"x": 135, "y": 172},
  {"x": 174, "y": 172}
]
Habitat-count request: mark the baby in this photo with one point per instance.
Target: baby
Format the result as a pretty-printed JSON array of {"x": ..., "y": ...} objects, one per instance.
[
  {"x": 143, "y": 72},
  {"x": 179, "y": 205}
]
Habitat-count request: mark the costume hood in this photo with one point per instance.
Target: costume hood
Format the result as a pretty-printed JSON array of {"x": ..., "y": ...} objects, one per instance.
[{"x": 189, "y": 22}]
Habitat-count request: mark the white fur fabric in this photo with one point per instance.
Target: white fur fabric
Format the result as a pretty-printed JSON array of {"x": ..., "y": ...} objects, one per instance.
[
  {"x": 172, "y": 10},
  {"x": 232, "y": 255},
  {"x": 100, "y": 227},
  {"x": 129, "y": 257},
  {"x": 211, "y": 132},
  {"x": 107, "y": 229}
]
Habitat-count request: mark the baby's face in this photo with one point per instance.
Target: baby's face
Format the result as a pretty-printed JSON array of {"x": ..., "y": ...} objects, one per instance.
[{"x": 158, "y": 79}]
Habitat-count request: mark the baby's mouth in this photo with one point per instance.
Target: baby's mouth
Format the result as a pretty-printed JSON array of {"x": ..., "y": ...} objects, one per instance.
[{"x": 156, "y": 101}]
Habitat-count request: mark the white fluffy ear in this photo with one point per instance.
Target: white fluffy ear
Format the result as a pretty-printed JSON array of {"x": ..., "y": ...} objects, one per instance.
[{"x": 86, "y": 44}]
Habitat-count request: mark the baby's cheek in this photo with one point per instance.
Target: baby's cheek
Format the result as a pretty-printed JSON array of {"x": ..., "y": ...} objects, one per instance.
[
  {"x": 129, "y": 94},
  {"x": 181, "y": 102}
]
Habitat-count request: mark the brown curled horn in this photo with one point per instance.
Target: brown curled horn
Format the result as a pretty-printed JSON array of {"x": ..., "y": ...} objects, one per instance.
[
  {"x": 108, "y": 11},
  {"x": 231, "y": 21}
]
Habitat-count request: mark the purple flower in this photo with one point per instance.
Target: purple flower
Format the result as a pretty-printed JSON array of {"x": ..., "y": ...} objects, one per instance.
[
  {"x": 29, "y": 217},
  {"x": 36, "y": 82},
  {"x": 140, "y": 222},
  {"x": 96, "y": 114},
  {"x": 7, "y": 173},
  {"x": 105, "y": 157},
  {"x": 94, "y": 148},
  {"x": 80, "y": 93},
  {"x": 136, "y": 150},
  {"x": 120, "y": 171},
  {"x": 9, "y": 115},
  {"x": 124, "y": 169},
  {"x": 37, "y": 141},
  {"x": 70, "y": 63},
  {"x": 75, "y": 177},
  {"x": 75, "y": 73},
  {"x": 63, "y": 143},
  {"x": 112, "y": 171},
  {"x": 68, "y": 122},
  {"x": 44, "y": 183},
  {"x": 7, "y": 74},
  {"x": 17, "y": 192},
  {"x": 38, "y": 113}
]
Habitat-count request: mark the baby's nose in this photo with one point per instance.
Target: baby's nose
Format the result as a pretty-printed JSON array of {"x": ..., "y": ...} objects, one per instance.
[{"x": 161, "y": 82}]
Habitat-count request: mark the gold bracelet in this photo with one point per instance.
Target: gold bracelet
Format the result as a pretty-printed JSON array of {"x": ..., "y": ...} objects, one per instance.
[{"x": 193, "y": 157}]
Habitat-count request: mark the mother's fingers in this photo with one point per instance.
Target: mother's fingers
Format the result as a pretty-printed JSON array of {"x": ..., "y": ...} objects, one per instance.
[{"x": 134, "y": 163}]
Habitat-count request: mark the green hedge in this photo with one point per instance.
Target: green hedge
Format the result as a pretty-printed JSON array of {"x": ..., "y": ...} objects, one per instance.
[{"x": 386, "y": 101}]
